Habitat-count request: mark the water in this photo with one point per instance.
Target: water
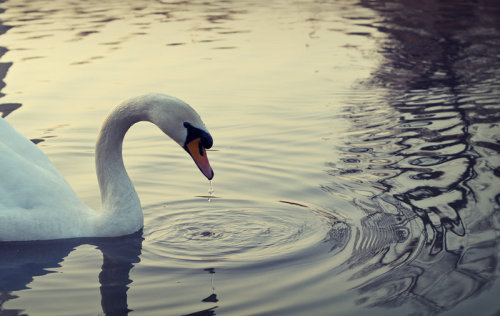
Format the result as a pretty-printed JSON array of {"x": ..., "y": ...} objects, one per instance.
[{"x": 355, "y": 156}]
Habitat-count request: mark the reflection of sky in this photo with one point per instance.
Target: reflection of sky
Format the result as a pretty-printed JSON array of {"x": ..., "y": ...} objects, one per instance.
[
  {"x": 256, "y": 74},
  {"x": 256, "y": 51}
]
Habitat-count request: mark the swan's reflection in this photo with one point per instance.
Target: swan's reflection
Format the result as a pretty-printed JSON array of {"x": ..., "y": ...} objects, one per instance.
[
  {"x": 20, "y": 262},
  {"x": 118, "y": 259}
]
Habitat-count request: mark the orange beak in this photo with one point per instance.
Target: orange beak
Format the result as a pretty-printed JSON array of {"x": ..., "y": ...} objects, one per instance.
[{"x": 199, "y": 155}]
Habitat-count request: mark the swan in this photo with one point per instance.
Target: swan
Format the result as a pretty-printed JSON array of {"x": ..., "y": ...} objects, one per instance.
[{"x": 37, "y": 203}]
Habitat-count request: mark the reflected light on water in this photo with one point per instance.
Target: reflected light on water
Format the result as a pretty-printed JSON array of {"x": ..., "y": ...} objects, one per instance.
[{"x": 355, "y": 155}]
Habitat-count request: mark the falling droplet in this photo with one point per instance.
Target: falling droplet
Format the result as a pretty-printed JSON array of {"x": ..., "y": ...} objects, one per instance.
[{"x": 210, "y": 191}]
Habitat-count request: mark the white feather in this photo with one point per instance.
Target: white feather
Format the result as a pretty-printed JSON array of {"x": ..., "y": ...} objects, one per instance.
[{"x": 37, "y": 203}]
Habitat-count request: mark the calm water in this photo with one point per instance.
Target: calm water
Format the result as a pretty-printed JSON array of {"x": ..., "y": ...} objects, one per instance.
[{"x": 356, "y": 156}]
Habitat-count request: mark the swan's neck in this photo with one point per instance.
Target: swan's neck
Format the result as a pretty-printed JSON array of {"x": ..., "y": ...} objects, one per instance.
[{"x": 120, "y": 204}]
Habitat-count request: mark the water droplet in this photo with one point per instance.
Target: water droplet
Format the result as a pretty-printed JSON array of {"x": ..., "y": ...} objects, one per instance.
[{"x": 210, "y": 191}]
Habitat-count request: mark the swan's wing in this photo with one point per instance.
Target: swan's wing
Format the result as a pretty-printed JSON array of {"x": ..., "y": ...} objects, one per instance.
[
  {"x": 36, "y": 202},
  {"x": 28, "y": 180}
]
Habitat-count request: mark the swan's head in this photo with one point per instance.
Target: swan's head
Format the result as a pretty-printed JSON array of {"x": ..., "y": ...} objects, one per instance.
[{"x": 181, "y": 122}]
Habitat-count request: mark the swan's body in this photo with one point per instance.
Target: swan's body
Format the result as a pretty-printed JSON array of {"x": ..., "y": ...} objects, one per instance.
[{"x": 36, "y": 202}]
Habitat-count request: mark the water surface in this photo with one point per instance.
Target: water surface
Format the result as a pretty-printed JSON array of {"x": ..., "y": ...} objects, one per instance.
[{"x": 355, "y": 155}]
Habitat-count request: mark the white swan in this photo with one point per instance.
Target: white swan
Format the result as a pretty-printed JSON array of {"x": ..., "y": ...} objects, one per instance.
[{"x": 37, "y": 203}]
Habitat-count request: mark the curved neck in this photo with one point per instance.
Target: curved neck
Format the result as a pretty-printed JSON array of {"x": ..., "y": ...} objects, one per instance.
[
  {"x": 121, "y": 209},
  {"x": 119, "y": 198}
]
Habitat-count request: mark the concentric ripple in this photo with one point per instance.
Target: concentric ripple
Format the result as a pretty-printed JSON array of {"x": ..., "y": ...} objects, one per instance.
[{"x": 201, "y": 231}]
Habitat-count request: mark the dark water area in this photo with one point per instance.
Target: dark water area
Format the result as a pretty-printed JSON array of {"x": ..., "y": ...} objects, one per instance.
[
  {"x": 408, "y": 221},
  {"x": 21, "y": 262},
  {"x": 430, "y": 149}
]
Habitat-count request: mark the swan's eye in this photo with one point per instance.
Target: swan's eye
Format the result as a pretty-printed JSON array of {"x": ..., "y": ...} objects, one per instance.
[{"x": 194, "y": 132}]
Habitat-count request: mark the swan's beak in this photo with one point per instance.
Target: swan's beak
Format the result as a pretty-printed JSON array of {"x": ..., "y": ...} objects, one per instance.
[{"x": 199, "y": 155}]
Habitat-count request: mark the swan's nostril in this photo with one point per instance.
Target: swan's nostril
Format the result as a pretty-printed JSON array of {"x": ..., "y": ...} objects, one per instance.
[{"x": 201, "y": 149}]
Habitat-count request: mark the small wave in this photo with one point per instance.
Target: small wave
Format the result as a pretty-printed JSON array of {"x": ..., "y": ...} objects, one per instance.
[{"x": 198, "y": 231}]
